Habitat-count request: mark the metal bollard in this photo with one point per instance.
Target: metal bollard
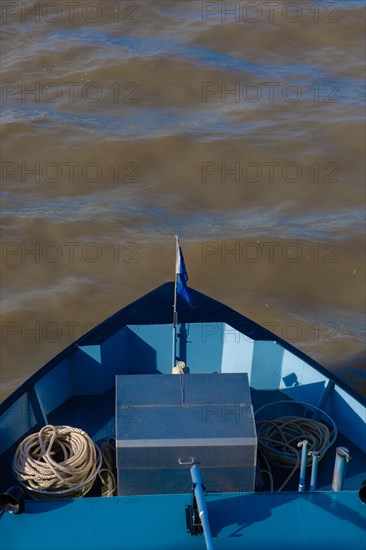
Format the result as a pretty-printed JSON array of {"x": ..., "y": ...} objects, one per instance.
[
  {"x": 12, "y": 501},
  {"x": 342, "y": 457},
  {"x": 362, "y": 492},
  {"x": 314, "y": 469},
  {"x": 304, "y": 451}
]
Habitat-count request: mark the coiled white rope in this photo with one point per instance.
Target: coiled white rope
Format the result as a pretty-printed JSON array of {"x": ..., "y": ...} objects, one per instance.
[
  {"x": 278, "y": 441},
  {"x": 56, "y": 458},
  {"x": 107, "y": 472}
]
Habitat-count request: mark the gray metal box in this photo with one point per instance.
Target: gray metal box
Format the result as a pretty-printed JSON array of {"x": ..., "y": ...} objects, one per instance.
[{"x": 165, "y": 422}]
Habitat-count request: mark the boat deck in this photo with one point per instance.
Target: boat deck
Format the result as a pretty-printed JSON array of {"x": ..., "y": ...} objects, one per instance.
[
  {"x": 247, "y": 520},
  {"x": 96, "y": 415}
]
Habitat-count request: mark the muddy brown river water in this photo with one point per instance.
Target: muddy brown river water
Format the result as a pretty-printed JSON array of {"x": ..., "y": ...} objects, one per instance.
[{"x": 239, "y": 125}]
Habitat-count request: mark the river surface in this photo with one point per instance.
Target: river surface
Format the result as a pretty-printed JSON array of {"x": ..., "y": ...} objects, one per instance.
[{"x": 239, "y": 125}]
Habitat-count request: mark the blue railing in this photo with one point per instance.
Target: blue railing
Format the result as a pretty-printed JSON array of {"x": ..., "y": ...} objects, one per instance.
[{"x": 201, "y": 505}]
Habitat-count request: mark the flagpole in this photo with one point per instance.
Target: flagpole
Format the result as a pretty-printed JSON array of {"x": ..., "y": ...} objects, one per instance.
[{"x": 175, "y": 314}]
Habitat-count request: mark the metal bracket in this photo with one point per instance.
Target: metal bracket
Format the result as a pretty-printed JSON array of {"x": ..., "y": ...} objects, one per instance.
[
  {"x": 187, "y": 461},
  {"x": 193, "y": 522}
]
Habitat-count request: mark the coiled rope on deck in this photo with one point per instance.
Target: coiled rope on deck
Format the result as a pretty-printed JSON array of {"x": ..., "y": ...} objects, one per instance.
[
  {"x": 107, "y": 473},
  {"x": 278, "y": 441},
  {"x": 57, "y": 458}
]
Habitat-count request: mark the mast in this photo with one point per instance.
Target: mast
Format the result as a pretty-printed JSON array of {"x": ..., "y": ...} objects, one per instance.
[{"x": 175, "y": 314}]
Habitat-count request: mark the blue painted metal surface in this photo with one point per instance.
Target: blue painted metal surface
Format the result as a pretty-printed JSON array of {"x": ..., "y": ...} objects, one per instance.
[
  {"x": 155, "y": 308},
  {"x": 77, "y": 388},
  {"x": 256, "y": 521}
]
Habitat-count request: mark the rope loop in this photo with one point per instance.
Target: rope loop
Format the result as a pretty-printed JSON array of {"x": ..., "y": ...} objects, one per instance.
[
  {"x": 278, "y": 440},
  {"x": 57, "y": 459}
]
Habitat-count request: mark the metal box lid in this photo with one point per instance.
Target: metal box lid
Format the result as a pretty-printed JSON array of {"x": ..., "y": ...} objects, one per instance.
[{"x": 190, "y": 410}]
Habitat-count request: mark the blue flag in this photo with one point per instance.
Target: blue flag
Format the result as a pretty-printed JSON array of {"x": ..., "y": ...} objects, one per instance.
[{"x": 182, "y": 277}]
